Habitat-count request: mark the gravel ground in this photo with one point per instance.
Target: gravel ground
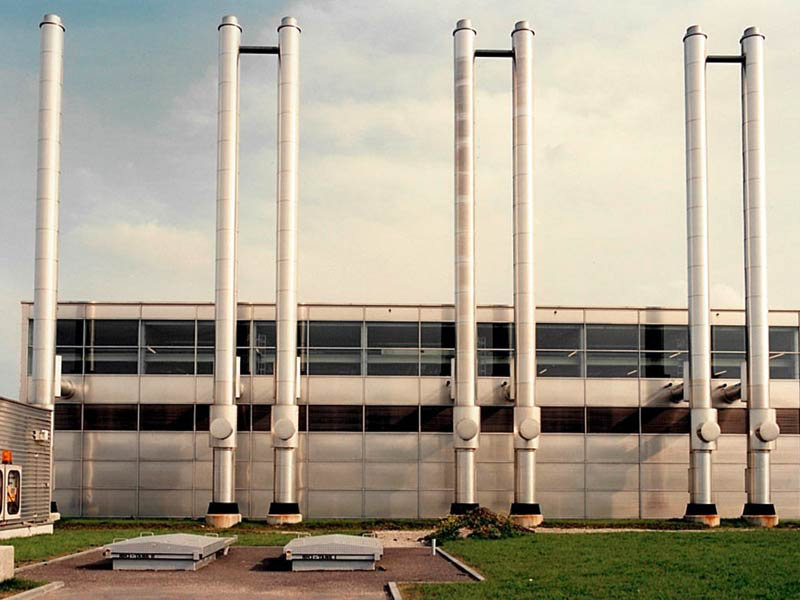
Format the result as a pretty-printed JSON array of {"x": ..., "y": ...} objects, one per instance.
[{"x": 247, "y": 572}]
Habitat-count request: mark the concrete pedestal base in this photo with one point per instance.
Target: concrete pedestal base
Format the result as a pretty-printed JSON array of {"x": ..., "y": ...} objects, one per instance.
[
  {"x": 223, "y": 521},
  {"x": 707, "y": 520},
  {"x": 287, "y": 519},
  {"x": 767, "y": 521},
  {"x": 6, "y": 562},
  {"x": 527, "y": 521}
]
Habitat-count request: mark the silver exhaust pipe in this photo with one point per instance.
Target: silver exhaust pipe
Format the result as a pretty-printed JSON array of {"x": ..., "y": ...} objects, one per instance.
[
  {"x": 527, "y": 417},
  {"x": 285, "y": 412},
  {"x": 223, "y": 510},
  {"x": 764, "y": 429},
  {"x": 45, "y": 296},
  {"x": 466, "y": 415},
  {"x": 704, "y": 427}
]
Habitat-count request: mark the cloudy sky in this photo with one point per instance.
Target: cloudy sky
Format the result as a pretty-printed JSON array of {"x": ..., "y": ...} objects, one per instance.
[{"x": 139, "y": 132}]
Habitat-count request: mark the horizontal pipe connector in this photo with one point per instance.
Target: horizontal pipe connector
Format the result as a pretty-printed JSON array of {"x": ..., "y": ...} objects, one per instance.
[
  {"x": 725, "y": 58},
  {"x": 258, "y": 50},
  {"x": 486, "y": 53}
]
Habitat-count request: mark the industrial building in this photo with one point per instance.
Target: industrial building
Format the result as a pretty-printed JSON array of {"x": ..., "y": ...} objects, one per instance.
[{"x": 288, "y": 410}]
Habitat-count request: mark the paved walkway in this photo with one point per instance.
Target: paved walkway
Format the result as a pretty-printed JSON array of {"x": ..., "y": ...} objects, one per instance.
[{"x": 247, "y": 572}]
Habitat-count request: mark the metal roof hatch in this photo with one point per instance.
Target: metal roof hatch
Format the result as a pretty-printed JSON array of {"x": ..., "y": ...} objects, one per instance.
[
  {"x": 334, "y": 552},
  {"x": 169, "y": 552}
]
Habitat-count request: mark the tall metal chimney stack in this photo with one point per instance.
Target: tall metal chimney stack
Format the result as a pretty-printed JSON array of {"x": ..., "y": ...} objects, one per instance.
[
  {"x": 764, "y": 429},
  {"x": 45, "y": 298},
  {"x": 527, "y": 419},
  {"x": 466, "y": 415},
  {"x": 285, "y": 412},
  {"x": 223, "y": 511},
  {"x": 705, "y": 429}
]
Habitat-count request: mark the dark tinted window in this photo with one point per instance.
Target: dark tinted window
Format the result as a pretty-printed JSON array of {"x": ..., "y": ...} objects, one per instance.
[
  {"x": 205, "y": 361},
  {"x": 494, "y": 363},
  {"x": 612, "y": 364},
  {"x": 495, "y": 335},
  {"x": 206, "y": 333},
  {"x": 665, "y": 420},
  {"x": 109, "y": 417},
  {"x": 435, "y": 362},
  {"x": 243, "y": 417},
  {"x": 783, "y": 365},
  {"x": 112, "y": 333},
  {"x": 334, "y": 362},
  {"x": 242, "y": 353},
  {"x": 69, "y": 332},
  {"x": 665, "y": 337},
  {"x": 559, "y": 363},
  {"x": 166, "y": 417},
  {"x": 732, "y": 420},
  {"x": 67, "y": 417},
  {"x": 71, "y": 360},
  {"x": 334, "y": 334},
  {"x": 612, "y": 420},
  {"x": 169, "y": 333},
  {"x": 497, "y": 419},
  {"x": 393, "y": 362},
  {"x": 303, "y": 418},
  {"x": 335, "y": 418},
  {"x": 563, "y": 419},
  {"x": 781, "y": 339},
  {"x": 728, "y": 338},
  {"x": 612, "y": 337},
  {"x": 552, "y": 336},
  {"x": 264, "y": 359},
  {"x": 393, "y": 335},
  {"x": 243, "y": 333},
  {"x": 265, "y": 334},
  {"x": 437, "y": 419},
  {"x": 262, "y": 413},
  {"x": 112, "y": 361},
  {"x": 168, "y": 361},
  {"x": 392, "y": 418},
  {"x": 726, "y": 365},
  {"x": 201, "y": 418},
  {"x": 788, "y": 420},
  {"x": 663, "y": 364},
  {"x": 438, "y": 335}
]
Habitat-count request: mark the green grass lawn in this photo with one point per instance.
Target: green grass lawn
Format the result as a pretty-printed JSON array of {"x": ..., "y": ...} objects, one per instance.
[
  {"x": 683, "y": 565},
  {"x": 12, "y": 586}
]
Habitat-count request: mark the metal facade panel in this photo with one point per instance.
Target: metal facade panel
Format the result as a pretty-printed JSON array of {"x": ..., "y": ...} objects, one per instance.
[
  {"x": 204, "y": 389},
  {"x": 201, "y": 500},
  {"x": 497, "y": 501},
  {"x": 242, "y": 497},
  {"x": 663, "y": 477},
  {"x": 612, "y": 505},
  {"x": 434, "y": 504},
  {"x": 261, "y": 446},
  {"x": 169, "y": 311},
  {"x": 491, "y": 392},
  {"x": 785, "y": 478},
  {"x": 242, "y": 475},
  {"x": 665, "y": 448},
  {"x": 560, "y": 477},
  {"x": 334, "y": 446},
  {"x": 261, "y": 475},
  {"x": 495, "y": 447},
  {"x": 731, "y": 448},
  {"x": 561, "y": 447},
  {"x": 612, "y": 478},
  {"x": 612, "y": 392},
  {"x": 67, "y": 445},
  {"x": 654, "y": 392},
  {"x": 611, "y": 315},
  {"x": 394, "y": 505},
  {"x": 165, "y": 503},
  {"x": 662, "y": 316},
  {"x": 495, "y": 313},
  {"x": 335, "y": 476},
  {"x": 390, "y": 476},
  {"x": 391, "y": 390},
  {"x": 110, "y": 475},
  {"x": 436, "y": 476},
  {"x": 787, "y": 504},
  {"x": 335, "y": 313},
  {"x": 335, "y": 390},
  {"x": 66, "y": 474},
  {"x": 391, "y": 447},
  {"x": 202, "y": 451},
  {"x": 391, "y": 313},
  {"x": 562, "y": 505},
  {"x": 495, "y": 477},
  {"x": 727, "y": 477},
  {"x": 436, "y": 447},
  {"x": 109, "y": 503},
  {"x": 111, "y": 389},
  {"x": 165, "y": 476},
  {"x": 727, "y": 317},
  {"x": 730, "y": 504},
  {"x": 113, "y": 311},
  {"x": 162, "y": 445},
  {"x": 787, "y": 450},
  {"x": 559, "y": 315},
  {"x": 612, "y": 448},
  {"x": 784, "y": 394},
  {"x": 436, "y": 313},
  {"x": 259, "y": 503},
  {"x": 242, "y": 446},
  {"x": 203, "y": 472},
  {"x": 168, "y": 389},
  {"x": 788, "y": 318},
  {"x": 434, "y": 390},
  {"x": 559, "y": 392},
  {"x": 333, "y": 504},
  {"x": 664, "y": 505},
  {"x": 69, "y": 502},
  {"x": 263, "y": 389},
  {"x": 110, "y": 445}
]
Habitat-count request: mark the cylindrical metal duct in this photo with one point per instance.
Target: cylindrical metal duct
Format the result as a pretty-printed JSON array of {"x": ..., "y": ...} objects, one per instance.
[
  {"x": 285, "y": 412},
  {"x": 525, "y": 414},
  {"x": 763, "y": 428},
  {"x": 45, "y": 298},
  {"x": 698, "y": 385},
  {"x": 466, "y": 418},
  {"x": 223, "y": 412}
]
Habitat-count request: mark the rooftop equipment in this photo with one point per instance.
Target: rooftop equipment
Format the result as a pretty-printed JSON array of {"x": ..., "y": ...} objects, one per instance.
[
  {"x": 169, "y": 552},
  {"x": 334, "y": 552}
]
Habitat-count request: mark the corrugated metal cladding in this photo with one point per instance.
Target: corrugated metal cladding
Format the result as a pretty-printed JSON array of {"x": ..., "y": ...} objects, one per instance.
[
  {"x": 18, "y": 421},
  {"x": 376, "y": 413}
]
